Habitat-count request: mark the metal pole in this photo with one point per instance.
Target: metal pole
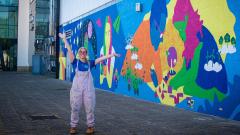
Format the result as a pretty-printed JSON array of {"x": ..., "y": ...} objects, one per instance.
[{"x": 57, "y": 13}]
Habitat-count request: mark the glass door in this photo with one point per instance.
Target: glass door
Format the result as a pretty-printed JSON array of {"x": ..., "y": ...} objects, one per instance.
[{"x": 8, "y": 54}]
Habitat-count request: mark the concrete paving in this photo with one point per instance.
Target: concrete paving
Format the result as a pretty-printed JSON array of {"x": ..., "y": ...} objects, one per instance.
[{"x": 24, "y": 97}]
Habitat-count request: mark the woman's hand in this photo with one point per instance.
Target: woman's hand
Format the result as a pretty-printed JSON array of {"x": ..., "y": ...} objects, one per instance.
[
  {"x": 116, "y": 55},
  {"x": 62, "y": 35}
]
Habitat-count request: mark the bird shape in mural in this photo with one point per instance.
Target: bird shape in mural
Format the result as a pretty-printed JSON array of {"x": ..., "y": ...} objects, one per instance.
[
  {"x": 157, "y": 27},
  {"x": 158, "y": 21}
]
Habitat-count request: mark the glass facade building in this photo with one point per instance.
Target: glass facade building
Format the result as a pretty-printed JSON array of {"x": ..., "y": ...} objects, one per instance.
[
  {"x": 45, "y": 29},
  {"x": 42, "y": 19},
  {"x": 42, "y": 22},
  {"x": 8, "y": 34}
]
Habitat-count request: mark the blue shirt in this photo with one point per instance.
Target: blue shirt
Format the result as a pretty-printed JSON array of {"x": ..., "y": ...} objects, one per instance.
[{"x": 83, "y": 66}]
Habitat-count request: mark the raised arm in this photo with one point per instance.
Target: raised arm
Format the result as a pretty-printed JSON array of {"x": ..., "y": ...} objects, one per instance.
[
  {"x": 63, "y": 37},
  {"x": 100, "y": 59}
]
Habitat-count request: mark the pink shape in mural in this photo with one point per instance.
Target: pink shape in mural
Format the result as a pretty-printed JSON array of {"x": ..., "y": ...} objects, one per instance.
[
  {"x": 90, "y": 29},
  {"x": 183, "y": 10},
  {"x": 99, "y": 23}
]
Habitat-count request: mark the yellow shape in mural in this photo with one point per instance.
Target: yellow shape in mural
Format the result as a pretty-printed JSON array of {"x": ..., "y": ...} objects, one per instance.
[
  {"x": 170, "y": 8},
  {"x": 216, "y": 16},
  {"x": 147, "y": 16},
  {"x": 167, "y": 97},
  {"x": 106, "y": 69},
  {"x": 171, "y": 38},
  {"x": 62, "y": 67}
]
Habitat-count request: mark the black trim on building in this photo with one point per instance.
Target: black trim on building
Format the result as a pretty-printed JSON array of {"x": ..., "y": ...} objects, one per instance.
[{"x": 57, "y": 38}]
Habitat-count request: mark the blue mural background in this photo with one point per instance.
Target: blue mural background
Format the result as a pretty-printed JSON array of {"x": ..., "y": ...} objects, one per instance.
[{"x": 125, "y": 23}]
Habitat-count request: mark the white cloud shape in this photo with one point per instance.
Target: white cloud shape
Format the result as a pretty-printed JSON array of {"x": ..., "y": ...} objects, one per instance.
[
  {"x": 227, "y": 49},
  {"x": 129, "y": 46},
  {"x": 134, "y": 56},
  {"x": 138, "y": 66},
  {"x": 210, "y": 66}
]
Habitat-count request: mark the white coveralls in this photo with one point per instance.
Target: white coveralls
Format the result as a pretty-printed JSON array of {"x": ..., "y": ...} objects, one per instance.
[{"x": 82, "y": 92}]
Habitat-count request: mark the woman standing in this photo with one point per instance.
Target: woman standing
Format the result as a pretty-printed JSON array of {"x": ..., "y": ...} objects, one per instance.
[{"x": 82, "y": 91}]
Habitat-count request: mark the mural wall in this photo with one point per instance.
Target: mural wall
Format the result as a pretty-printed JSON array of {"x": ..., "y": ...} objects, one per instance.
[{"x": 181, "y": 53}]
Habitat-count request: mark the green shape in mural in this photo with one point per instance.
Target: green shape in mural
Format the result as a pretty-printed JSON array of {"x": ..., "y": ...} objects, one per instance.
[
  {"x": 86, "y": 41},
  {"x": 187, "y": 79},
  {"x": 233, "y": 41},
  {"x": 220, "y": 40},
  {"x": 181, "y": 27},
  {"x": 133, "y": 80},
  {"x": 134, "y": 49},
  {"x": 227, "y": 38},
  {"x": 116, "y": 24}
]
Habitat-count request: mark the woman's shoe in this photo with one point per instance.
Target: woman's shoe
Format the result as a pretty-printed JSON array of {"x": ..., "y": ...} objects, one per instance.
[
  {"x": 90, "y": 130},
  {"x": 73, "y": 130}
]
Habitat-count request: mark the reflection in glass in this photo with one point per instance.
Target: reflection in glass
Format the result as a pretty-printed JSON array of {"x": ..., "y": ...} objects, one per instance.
[{"x": 8, "y": 34}]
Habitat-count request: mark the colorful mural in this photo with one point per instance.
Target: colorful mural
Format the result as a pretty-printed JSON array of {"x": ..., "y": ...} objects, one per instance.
[
  {"x": 106, "y": 67},
  {"x": 182, "y": 53}
]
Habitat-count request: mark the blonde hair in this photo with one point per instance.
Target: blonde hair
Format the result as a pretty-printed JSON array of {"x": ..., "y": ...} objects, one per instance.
[
  {"x": 83, "y": 48},
  {"x": 77, "y": 56}
]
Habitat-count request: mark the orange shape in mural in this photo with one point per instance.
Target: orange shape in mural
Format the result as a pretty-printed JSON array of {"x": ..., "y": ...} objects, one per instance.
[{"x": 147, "y": 56}]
